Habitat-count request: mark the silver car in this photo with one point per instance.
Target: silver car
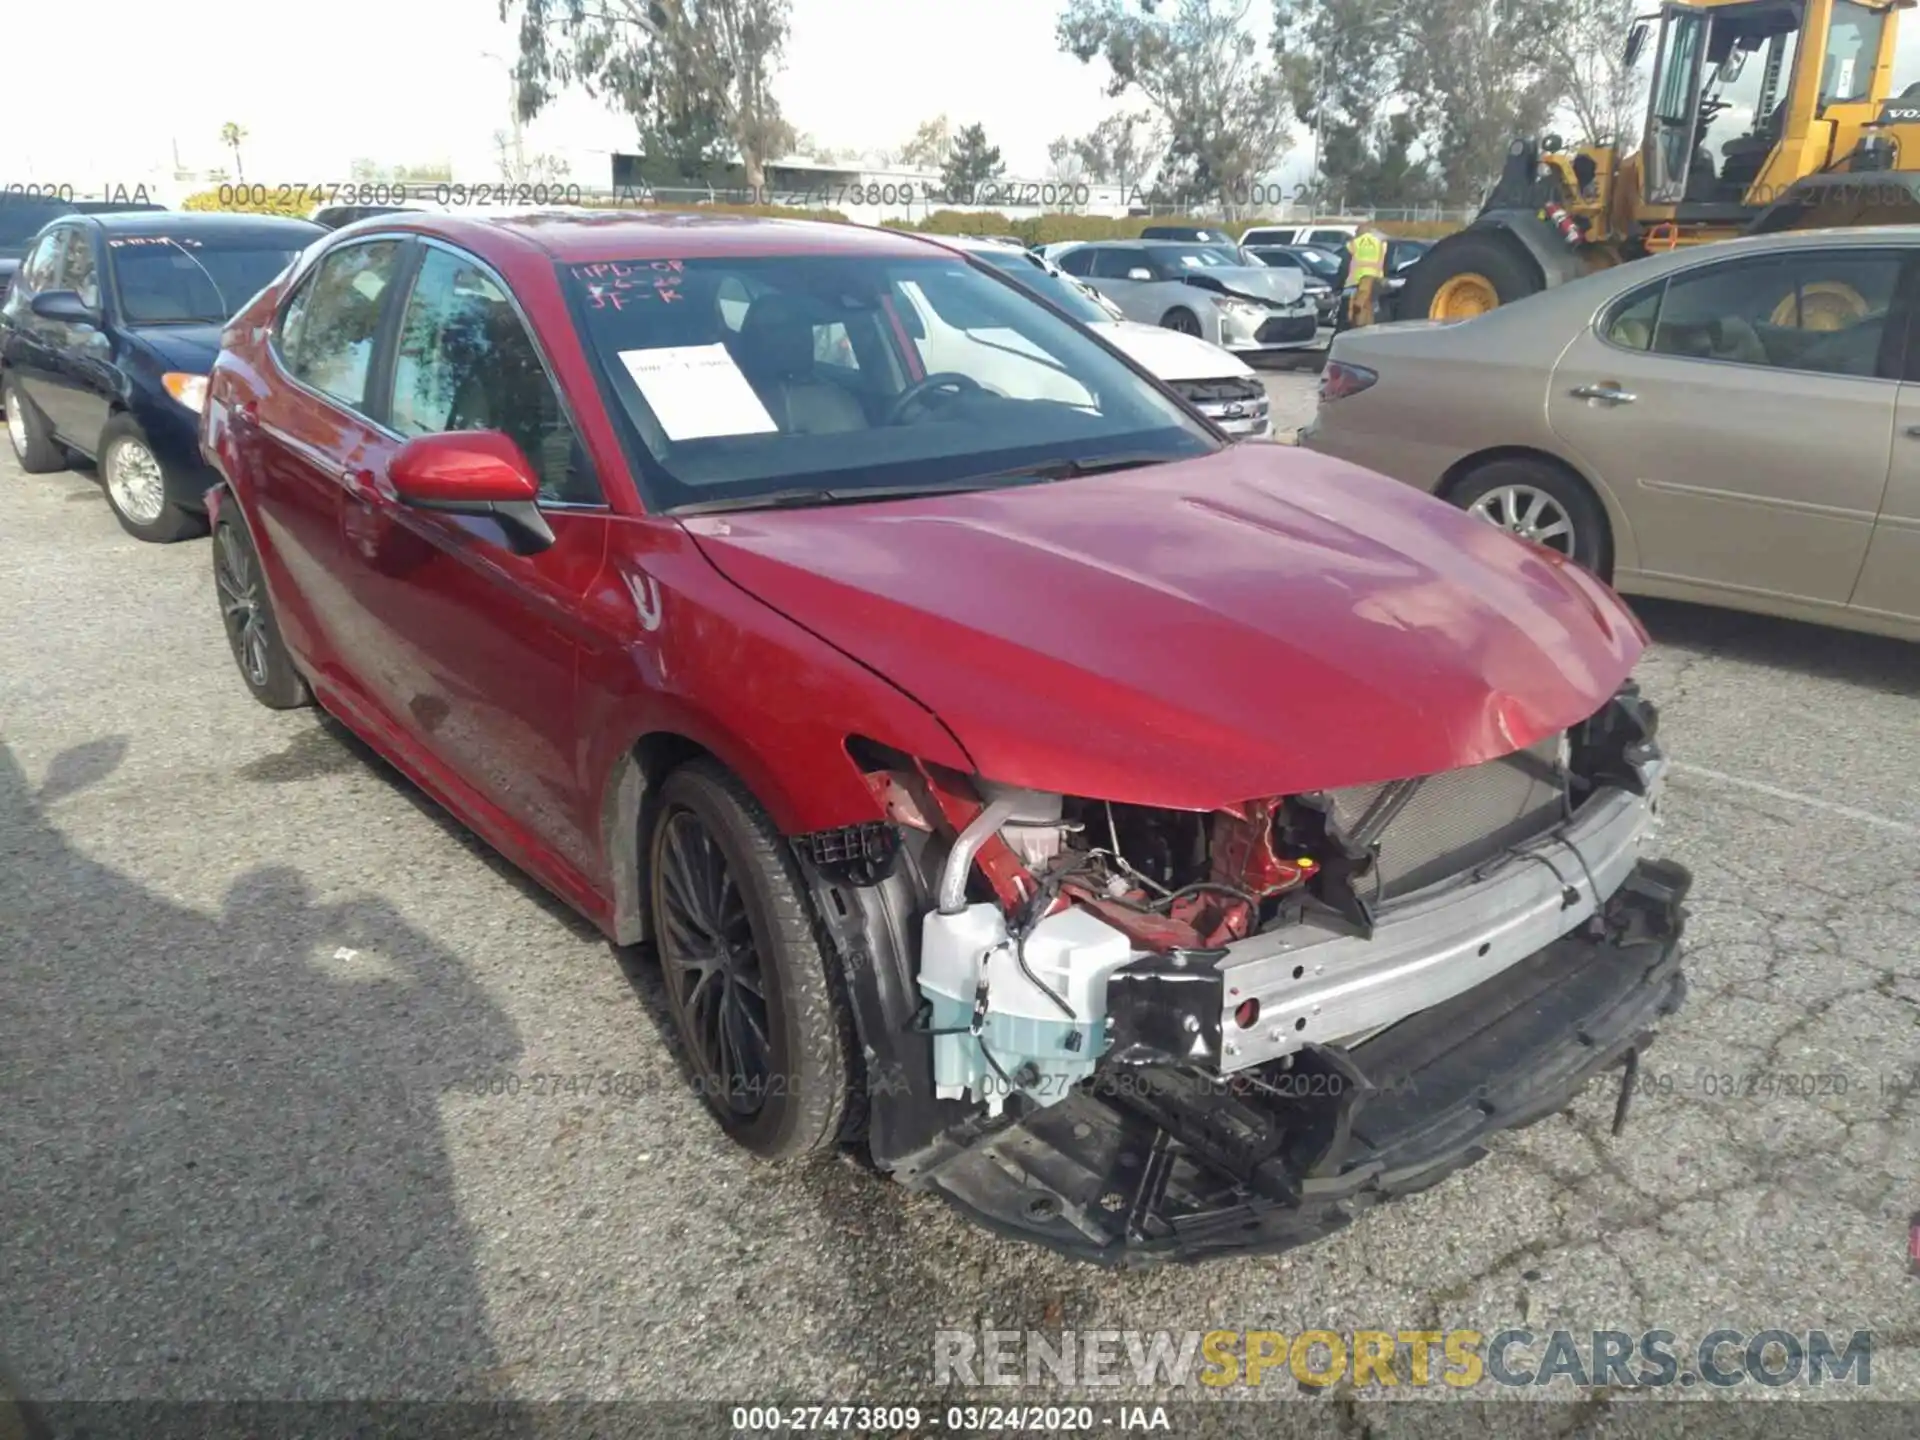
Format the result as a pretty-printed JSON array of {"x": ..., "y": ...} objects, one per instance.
[
  {"x": 1736, "y": 423},
  {"x": 1205, "y": 290}
]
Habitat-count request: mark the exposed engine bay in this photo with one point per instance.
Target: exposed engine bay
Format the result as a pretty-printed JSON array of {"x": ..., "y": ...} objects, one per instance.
[{"x": 1204, "y": 986}]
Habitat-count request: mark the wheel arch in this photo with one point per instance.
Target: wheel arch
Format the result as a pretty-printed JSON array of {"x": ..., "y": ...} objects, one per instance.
[{"x": 1620, "y": 547}]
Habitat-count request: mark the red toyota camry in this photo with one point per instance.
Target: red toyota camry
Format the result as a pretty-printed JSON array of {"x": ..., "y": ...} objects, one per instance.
[{"x": 1154, "y": 845}]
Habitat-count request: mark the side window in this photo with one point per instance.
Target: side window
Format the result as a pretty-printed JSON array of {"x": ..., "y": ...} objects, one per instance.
[
  {"x": 1819, "y": 311},
  {"x": 466, "y": 362},
  {"x": 1114, "y": 264},
  {"x": 833, "y": 346},
  {"x": 79, "y": 272},
  {"x": 1077, "y": 262},
  {"x": 326, "y": 334},
  {"x": 1630, "y": 324},
  {"x": 1330, "y": 237},
  {"x": 43, "y": 264}
]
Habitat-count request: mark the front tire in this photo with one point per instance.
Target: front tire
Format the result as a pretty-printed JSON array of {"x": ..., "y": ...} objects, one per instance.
[
  {"x": 766, "y": 1031},
  {"x": 30, "y": 433},
  {"x": 1542, "y": 503},
  {"x": 1469, "y": 274},
  {"x": 247, "y": 614},
  {"x": 1185, "y": 322},
  {"x": 139, "y": 489}
]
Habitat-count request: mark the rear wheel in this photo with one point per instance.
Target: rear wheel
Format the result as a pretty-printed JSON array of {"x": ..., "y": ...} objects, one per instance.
[
  {"x": 247, "y": 614},
  {"x": 137, "y": 488},
  {"x": 1469, "y": 274},
  {"x": 32, "y": 437},
  {"x": 766, "y": 1030},
  {"x": 1541, "y": 503}
]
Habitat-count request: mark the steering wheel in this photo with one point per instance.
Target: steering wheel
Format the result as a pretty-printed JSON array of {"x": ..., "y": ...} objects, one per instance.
[{"x": 948, "y": 382}]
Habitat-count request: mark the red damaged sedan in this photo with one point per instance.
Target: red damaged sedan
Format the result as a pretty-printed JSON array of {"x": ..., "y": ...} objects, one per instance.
[{"x": 1154, "y": 845}]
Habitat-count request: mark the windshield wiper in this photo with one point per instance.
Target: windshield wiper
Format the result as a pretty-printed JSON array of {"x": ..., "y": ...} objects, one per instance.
[
  {"x": 1074, "y": 469},
  {"x": 801, "y": 497}
]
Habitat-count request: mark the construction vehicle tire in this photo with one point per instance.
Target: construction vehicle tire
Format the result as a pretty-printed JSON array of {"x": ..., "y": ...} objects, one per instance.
[{"x": 1469, "y": 274}]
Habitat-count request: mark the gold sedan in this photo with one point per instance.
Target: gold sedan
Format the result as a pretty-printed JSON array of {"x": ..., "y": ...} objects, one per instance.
[{"x": 1737, "y": 424}]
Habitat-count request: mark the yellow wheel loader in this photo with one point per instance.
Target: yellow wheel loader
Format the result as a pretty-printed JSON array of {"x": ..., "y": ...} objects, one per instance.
[{"x": 1762, "y": 115}]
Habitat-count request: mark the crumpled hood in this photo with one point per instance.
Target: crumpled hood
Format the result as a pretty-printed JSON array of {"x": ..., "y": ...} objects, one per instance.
[
  {"x": 1254, "y": 282},
  {"x": 1261, "y": 621}
]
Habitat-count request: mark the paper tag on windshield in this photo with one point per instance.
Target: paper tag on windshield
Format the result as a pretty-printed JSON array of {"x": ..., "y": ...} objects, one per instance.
[{"x": 697, "y": 392}]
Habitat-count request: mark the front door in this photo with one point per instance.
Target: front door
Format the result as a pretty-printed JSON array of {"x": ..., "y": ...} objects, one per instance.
[
  {"x": 1742, "y": 413},
  {"x": 311, "y": 436},
  {"x": 1673, "y": 117},
  {"x": 469, "y": 648}
]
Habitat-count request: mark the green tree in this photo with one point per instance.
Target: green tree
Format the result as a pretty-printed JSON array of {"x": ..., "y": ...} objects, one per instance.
[
  {"x": 694, "y": 75},
  {"x": 231, "y": 134},
  {"x": 1223, "y": 104},
  {"x": 972, "y": 163}
]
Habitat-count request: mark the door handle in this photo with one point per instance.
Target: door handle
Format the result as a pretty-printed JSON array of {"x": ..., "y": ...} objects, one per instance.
[
  {"x": 245, "y": 413},
  {"x": 1612, "y": 394},
  {"x": 358, "y": 482}
]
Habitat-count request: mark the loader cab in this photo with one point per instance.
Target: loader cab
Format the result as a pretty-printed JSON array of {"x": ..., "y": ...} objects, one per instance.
[{"x": 1749, "y": 96}]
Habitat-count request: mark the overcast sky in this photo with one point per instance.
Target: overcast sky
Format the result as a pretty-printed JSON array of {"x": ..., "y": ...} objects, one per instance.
[
  {"x": 316, "y": 84},
  {"x": 410, "y": 81}
]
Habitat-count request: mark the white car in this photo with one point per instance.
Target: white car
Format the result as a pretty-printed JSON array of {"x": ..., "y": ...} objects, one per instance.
[
  {"x": 1335, "y": 233},
  {"x": 1216, "y": 382}
]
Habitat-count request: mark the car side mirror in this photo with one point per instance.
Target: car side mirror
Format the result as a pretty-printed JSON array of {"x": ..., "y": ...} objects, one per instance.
[
  {"x": 64, "y": 307},
  {"x": 474, "y": 472},
  {"x": 1139, "y": 272}
]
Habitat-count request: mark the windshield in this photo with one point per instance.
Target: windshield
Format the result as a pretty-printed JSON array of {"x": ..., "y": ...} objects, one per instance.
[
  {"x": 741, "y": 378},
  {"x": 1853, "y": 47},
  {"x": 168, "y": 280},
  {"x": 1198, "y": 257},
  {"x": 1321, "y": 262},
  {"x": 1024, "y": 270}
]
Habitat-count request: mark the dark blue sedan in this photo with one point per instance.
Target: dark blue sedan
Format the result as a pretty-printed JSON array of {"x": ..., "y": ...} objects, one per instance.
[{"x": 106, "y": 338}]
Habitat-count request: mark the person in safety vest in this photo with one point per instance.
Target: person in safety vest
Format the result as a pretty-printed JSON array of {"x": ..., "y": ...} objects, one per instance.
[{"x": 1367, "y": 272}]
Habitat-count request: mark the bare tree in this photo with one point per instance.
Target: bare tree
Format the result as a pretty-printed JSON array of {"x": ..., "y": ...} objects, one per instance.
[
  {"x": 930, "y": 146},
  {"x": 1586, "y": 55}
]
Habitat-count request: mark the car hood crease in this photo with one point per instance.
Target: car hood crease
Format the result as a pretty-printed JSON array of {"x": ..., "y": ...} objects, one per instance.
[{"x": 1257, "y": 622}]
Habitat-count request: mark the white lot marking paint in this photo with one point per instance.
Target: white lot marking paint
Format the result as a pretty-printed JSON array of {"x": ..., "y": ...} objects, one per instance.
[{"x": 1847, "y": 812}]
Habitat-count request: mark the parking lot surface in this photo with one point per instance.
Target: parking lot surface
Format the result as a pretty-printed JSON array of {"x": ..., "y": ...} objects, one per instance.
[{"x": 304, "y": 1093}]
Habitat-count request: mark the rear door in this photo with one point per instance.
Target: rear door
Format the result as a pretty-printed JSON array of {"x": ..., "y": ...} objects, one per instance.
[
  {"x": 1742, "y": 413},
  {"x": 313, "y": 432},
  {"x": 471, "y": 649}
]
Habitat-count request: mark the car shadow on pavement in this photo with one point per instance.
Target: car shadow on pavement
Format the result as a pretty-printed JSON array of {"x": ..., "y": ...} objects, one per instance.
[
  {"x": 225, "y": 1174},
  {"x": 1871, "y": 661}
]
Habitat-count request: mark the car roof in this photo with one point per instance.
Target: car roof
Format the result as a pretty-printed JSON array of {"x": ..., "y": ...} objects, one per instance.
[
  {"x": 575, "y": 235},
  {"x": 207, "y": 224}
]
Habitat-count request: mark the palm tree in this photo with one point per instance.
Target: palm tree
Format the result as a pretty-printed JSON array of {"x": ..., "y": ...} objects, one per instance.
[{"x": 230, "y": 136}]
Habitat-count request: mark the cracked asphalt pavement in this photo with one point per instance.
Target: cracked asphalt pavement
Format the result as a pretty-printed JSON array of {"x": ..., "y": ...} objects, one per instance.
[{"x": 273, "y": 1032}]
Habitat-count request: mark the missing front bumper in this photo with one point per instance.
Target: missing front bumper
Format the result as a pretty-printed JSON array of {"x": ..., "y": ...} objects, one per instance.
[{"x": 1170, "y": 1164}]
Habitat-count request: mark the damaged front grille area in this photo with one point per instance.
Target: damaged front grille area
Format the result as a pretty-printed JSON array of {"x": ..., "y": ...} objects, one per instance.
[{"x": 1427, "y": 830}]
